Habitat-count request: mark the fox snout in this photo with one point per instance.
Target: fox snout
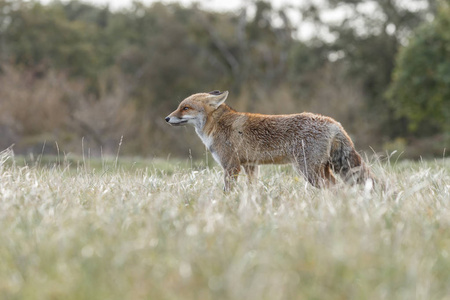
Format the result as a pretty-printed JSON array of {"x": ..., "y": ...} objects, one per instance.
[{"x": 172, "y": 120}]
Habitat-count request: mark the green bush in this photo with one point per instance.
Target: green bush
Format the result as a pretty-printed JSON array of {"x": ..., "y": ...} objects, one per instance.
[{"x": 420, "y": 90}]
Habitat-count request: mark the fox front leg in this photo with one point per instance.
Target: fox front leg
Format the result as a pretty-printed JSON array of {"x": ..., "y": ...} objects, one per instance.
[{"x": 230, "y": 176}]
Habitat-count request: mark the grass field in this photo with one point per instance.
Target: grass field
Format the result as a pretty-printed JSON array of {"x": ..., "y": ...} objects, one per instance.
[{"x": 163, "y": 229}]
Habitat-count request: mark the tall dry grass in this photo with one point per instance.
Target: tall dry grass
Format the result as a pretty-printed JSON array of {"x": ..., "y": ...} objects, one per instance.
[{"x": 164, "y": 230}]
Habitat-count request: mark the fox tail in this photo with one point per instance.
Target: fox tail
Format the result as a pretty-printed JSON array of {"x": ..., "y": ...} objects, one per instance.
[{"x": 346, "y": 162}]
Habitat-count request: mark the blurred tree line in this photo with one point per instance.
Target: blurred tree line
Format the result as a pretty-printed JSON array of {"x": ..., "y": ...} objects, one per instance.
[{"x": 71, "y": 71}]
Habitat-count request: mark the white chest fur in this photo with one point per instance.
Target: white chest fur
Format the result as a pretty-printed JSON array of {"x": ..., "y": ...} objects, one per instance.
[{"x": 208, "y": 141}]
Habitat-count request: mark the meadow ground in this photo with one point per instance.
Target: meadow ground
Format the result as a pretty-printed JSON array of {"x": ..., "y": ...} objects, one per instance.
[{"x": 163, "y": 229}]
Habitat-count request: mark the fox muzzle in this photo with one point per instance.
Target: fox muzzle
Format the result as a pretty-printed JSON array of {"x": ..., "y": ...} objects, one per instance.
[{"x": 175, "y": 121}]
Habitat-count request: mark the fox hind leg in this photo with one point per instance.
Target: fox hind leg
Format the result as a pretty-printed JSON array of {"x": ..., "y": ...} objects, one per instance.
[
  {"x": 317, "y": 175},
  {"x": 321, "y": 176},
  {"x": 327, "y": 175},
  {"x": 309, "y": 172}
]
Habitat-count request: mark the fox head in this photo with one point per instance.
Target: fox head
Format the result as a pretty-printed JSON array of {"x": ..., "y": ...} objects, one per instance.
[{"x": 194, "y": 109}]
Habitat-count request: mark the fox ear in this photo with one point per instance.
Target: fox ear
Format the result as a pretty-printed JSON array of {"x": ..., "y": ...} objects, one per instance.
[{"x": 216, "y": 98}]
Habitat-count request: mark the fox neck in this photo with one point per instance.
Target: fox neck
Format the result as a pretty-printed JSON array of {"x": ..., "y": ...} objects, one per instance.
[
  {"x": 205, "y": 127},
  {"x": 206, "y": 139}
]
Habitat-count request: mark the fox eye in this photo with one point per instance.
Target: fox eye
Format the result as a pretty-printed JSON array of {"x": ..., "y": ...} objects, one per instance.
[{"x": 185, "y": 108}]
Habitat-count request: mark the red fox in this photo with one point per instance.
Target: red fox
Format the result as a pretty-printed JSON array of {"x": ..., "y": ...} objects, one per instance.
[{"x": 316, "y": 145}]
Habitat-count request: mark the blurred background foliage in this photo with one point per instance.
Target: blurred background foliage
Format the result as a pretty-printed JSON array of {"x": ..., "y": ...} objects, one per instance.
[{"x": 73, "y": 71}]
